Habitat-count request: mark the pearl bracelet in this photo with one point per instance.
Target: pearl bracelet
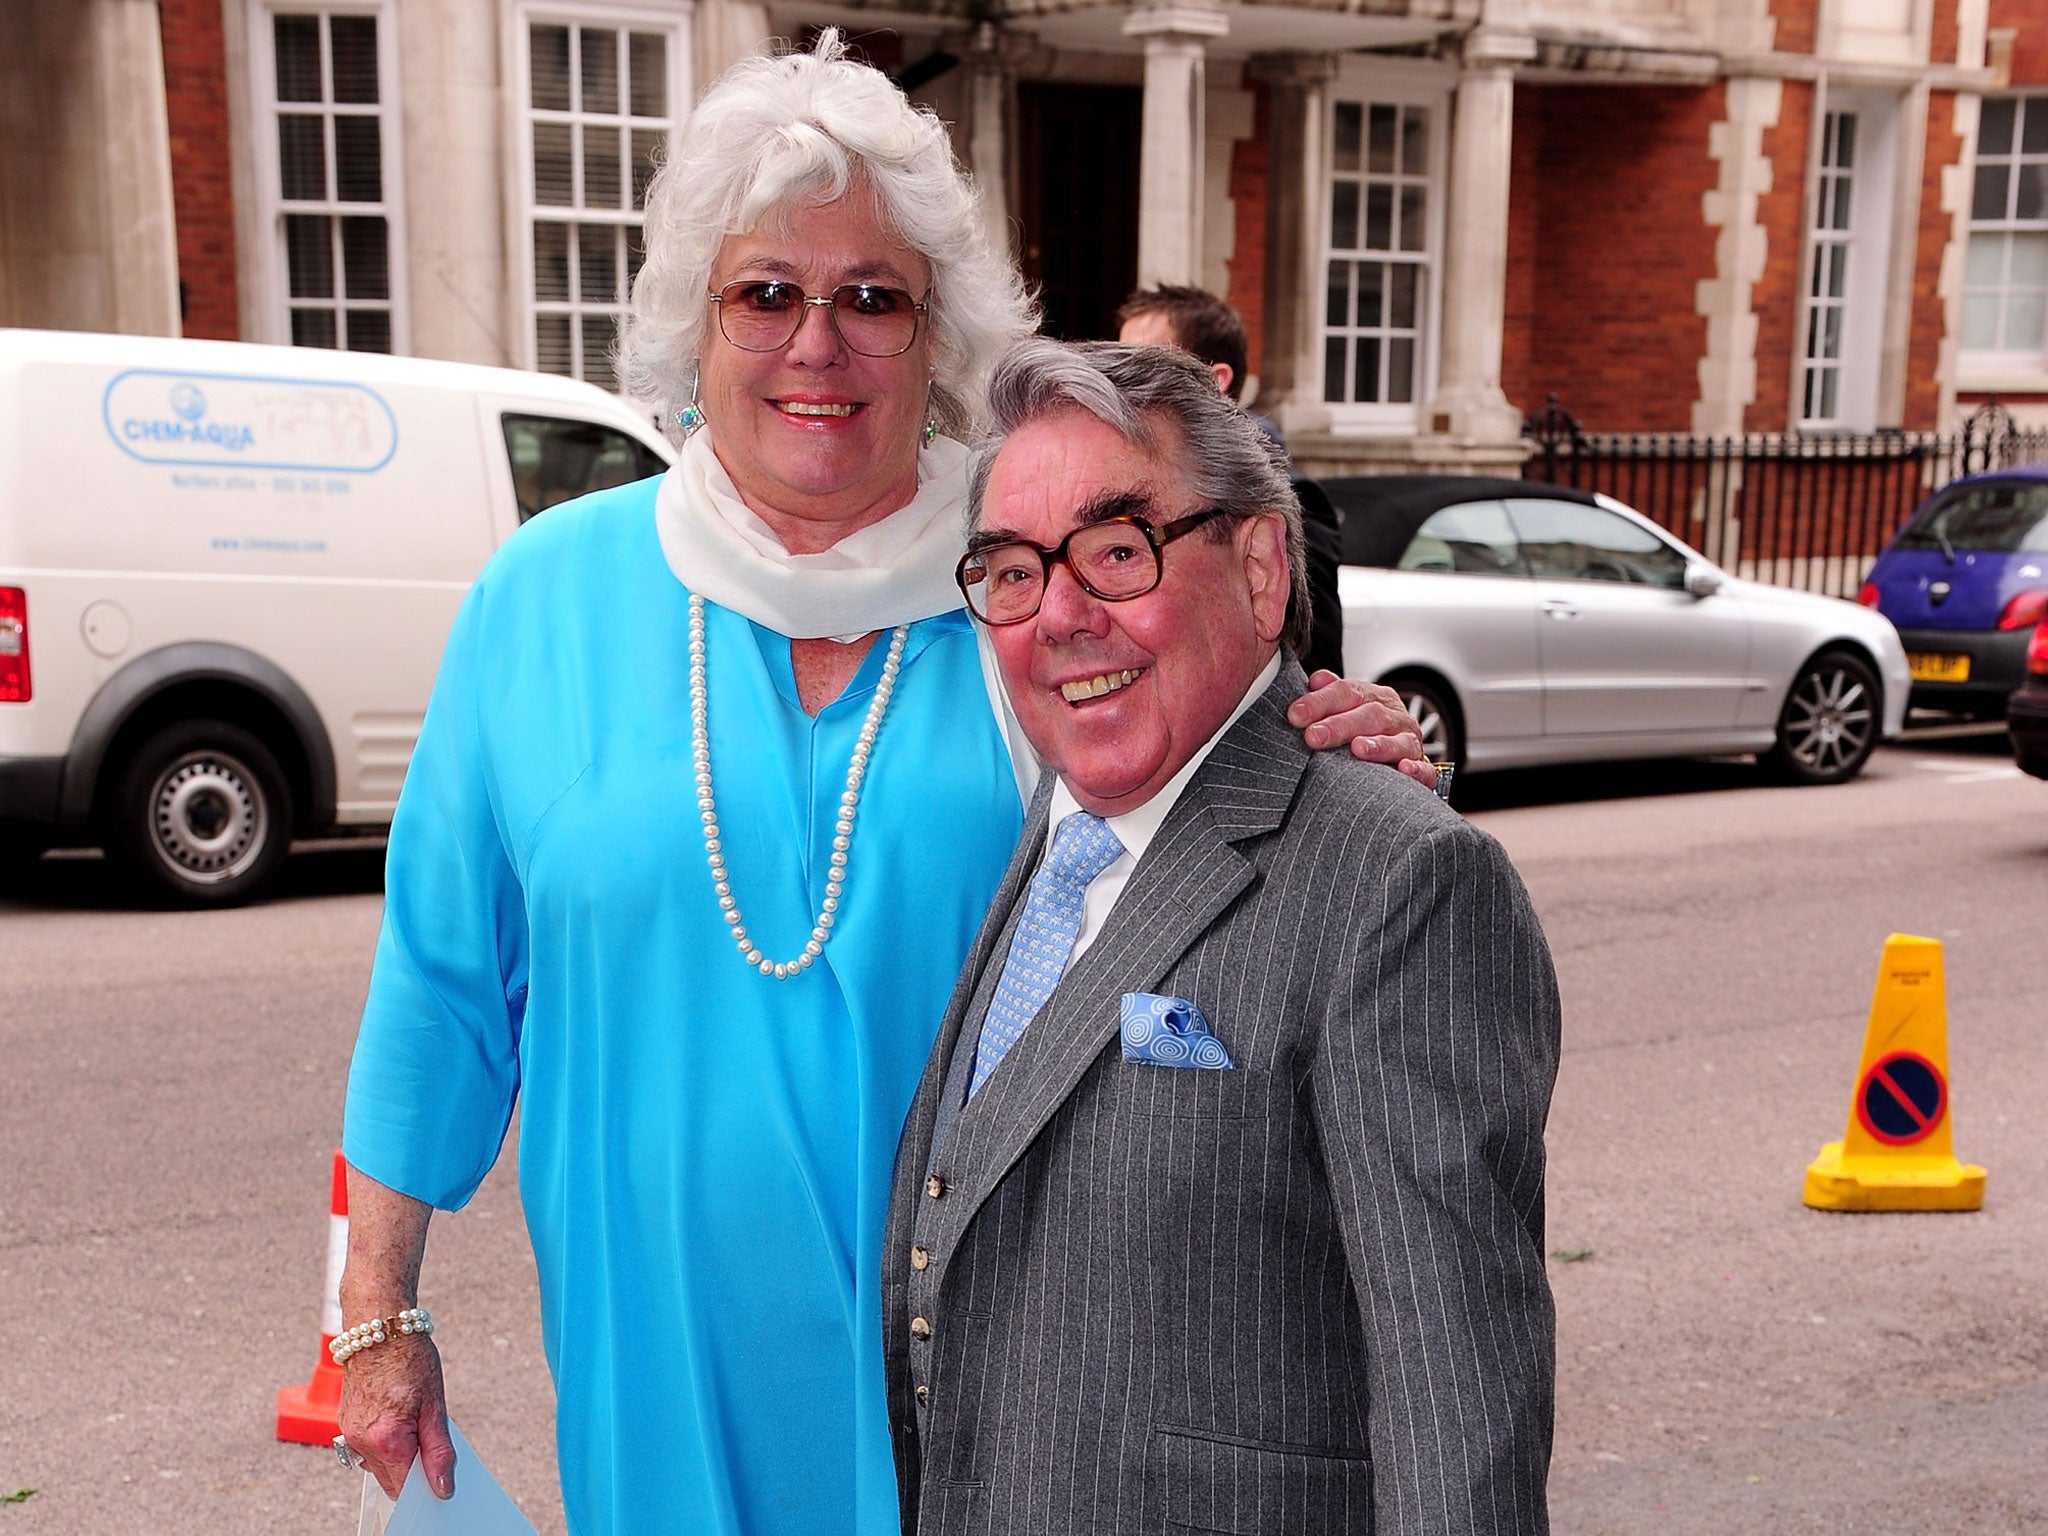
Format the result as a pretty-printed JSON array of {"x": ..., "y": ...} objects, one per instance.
[{"x": 353, "y": 1341}]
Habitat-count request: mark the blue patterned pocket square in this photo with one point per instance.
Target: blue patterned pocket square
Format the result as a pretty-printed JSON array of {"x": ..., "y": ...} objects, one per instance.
[{"x": 1170, "y": 1032}]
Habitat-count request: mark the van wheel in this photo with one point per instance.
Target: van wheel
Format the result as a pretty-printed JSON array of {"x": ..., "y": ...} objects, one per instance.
[{"x": 203, "y": 817}]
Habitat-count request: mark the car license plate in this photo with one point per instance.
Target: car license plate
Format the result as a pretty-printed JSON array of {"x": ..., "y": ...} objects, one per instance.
[{"x": 1938, "y": 667}]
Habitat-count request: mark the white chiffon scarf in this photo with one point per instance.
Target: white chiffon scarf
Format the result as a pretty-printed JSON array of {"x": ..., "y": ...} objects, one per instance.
[{"x": 896, "y": 571}]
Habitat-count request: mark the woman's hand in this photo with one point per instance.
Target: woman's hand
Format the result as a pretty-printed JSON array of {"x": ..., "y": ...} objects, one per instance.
[
  {"x": 393, "y": 1408},
  {"x": 1367, "y": 715}
]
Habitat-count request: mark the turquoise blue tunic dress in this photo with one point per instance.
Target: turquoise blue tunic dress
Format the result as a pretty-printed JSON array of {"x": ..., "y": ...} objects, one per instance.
[{"x": 704, "y": 1152}]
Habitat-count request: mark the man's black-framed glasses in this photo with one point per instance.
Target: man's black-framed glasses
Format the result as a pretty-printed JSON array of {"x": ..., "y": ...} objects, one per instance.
[
  {"x": 1116, "y": 560},
  {"x": 873, "y": 319}
]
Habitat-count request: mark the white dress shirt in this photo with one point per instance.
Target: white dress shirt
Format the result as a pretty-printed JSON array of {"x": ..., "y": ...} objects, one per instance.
[{"x": 1135, "y": 829}]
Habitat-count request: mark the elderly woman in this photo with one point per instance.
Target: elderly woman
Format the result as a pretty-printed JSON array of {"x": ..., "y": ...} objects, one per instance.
[{"x": 713, "y": 791}]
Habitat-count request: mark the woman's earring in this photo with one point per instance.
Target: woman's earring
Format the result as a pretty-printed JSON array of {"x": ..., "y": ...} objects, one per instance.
[
  {"x": 691, "y": 416},
  {"x": 931, "y": 430}
]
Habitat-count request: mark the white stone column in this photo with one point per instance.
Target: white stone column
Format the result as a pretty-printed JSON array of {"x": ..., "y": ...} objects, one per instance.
[
  {"x": 1469, "y": 409},
  {"x": 988, "y": 137},
  {"x": 452, "y": 259},
  {"x": 1297, "y": 182},
  {"x": 1170, "y": 169},
  {"x": 138, "y": 226},
  {"x": 724, "y": 32},
  {"x": 1229, "y": 116}
]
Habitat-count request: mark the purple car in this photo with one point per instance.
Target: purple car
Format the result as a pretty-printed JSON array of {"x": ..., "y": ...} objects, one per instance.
[{"x": 1965, "y": 582}]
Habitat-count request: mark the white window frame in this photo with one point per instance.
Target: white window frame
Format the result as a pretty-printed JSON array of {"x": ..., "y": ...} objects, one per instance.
[
  {"x": 1865, "y": 247},
  {"x": 677, "y": 23},
  {"x": 271, "y": 276},
  {"x": 2002, "y": 367},
  {"x": 1367, "y": 85}
]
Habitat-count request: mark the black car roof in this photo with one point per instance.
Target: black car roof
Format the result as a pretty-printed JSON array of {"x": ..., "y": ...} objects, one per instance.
[{"x": 1382, "y": 512}]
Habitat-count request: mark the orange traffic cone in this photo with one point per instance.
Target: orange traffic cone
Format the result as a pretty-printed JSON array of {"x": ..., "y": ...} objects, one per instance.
[
  {"x": 1898, "y": 1153},
  {"x": 310, "y": 1415}
]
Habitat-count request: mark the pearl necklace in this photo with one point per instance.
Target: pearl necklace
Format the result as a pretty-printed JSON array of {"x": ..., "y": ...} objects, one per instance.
[{"x": 849, "y": 802}]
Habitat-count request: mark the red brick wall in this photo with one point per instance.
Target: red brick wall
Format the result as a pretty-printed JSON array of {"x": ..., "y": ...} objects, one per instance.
[
  {"x": 1942, "y": 39},
  {"x": 1607, "y": 245},
  {"x": 1775, "y": 297},
  {"x": 1518, "y": 377},
  {"x": 1796, "y": 21},
  {"x": 2030, "y": 48},
  {"x": 1923, "y": 344},
  {"x": 196, "y": 92},
  {"x": 1248, "y": 171}
]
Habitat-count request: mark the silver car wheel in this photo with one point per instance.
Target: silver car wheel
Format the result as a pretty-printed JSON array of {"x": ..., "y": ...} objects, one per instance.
[
  {"x": 1436, "y": 742},
  {"x": 1433, "y": 712},
  {"x": 1830, "y": 720},
  {"x": 208, "y": 819}
]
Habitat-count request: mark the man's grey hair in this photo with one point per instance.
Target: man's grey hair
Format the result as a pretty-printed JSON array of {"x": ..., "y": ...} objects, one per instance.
[
  {"x": 774, "y": 134},
  {"x": 1135, "y": 391}
]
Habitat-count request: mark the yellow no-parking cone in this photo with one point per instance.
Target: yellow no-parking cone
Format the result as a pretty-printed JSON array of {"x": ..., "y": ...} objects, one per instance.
[{"x": 1897, "y": 1154}]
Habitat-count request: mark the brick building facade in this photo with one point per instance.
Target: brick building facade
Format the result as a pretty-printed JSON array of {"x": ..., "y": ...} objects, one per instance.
[{"x": 1676, "y": 215}]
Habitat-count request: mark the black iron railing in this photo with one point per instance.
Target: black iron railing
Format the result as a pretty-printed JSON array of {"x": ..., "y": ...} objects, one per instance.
[{"x": 1808, "y": 510}]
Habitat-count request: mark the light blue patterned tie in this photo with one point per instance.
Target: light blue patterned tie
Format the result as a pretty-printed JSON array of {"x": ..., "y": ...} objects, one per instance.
[{"x": 1082, "y": 848}]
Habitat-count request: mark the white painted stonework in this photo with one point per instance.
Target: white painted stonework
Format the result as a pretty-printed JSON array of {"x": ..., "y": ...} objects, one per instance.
[
  {"x": 1727, "y": 372},
  {"x": 1469, "y": 407},
  {"x": 1955, "y": 202},
  {"x": 1228, "y": 115},
  {"x": 455, "y": 251},
  {"x": 1873, "y": 31},
  {"x": 1173, "y": 153}
]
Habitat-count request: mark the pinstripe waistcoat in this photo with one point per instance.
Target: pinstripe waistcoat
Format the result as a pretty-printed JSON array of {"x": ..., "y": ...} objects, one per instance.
[{"x": 1303, "y": 1296}]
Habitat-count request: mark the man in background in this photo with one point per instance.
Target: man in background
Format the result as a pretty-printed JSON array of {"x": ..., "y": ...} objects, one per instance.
[{"x": 1196, "y": 321}]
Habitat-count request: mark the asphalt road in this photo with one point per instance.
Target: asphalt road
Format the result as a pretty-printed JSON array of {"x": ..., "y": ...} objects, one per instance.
[{"x": 171, "y": 1086}]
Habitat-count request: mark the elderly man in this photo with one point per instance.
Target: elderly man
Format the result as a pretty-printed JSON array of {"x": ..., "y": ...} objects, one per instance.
[{"x": 1220, "y": 1205}]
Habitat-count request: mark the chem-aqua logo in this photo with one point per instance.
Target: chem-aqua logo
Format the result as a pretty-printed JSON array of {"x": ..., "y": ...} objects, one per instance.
[
  {"x": 186, "y": 425},
  {"x": 244, "y": 421}
]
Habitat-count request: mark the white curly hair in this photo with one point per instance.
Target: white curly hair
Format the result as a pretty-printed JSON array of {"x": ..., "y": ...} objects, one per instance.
[{"x": 774, "y": 133}]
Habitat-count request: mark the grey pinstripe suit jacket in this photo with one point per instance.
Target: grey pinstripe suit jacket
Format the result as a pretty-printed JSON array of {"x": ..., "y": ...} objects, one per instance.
[{"x": 1305, "y": 1296}]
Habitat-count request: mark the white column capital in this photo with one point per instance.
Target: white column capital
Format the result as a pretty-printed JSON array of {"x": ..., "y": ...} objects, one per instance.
[
  {"x": 1186, "y": 20},
  {"x": 1491, "y": 48}
]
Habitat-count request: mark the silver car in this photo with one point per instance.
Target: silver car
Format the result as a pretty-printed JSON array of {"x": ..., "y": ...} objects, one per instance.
[{"x": 1527, "y": 623}]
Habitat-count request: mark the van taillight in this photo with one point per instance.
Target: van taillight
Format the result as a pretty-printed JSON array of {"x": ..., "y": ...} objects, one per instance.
[
  {"x": 2024, "y": 608},
  {"x": 1867, "y": 595},
  {"x": 2037, "y": 651},
  {"x": 14, "y": 684}
]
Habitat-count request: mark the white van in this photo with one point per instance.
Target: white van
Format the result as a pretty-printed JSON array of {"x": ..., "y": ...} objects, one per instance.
[{"x": 227, "y": 572}]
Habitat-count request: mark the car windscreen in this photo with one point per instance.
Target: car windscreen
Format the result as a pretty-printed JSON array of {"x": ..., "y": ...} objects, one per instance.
[{"x": 1992, "y": 516}]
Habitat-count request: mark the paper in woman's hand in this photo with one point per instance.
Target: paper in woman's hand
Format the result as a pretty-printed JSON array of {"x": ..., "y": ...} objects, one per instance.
[{"x": 478, "y": 1507}]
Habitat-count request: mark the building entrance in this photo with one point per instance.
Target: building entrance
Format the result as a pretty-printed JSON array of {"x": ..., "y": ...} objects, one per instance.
[{"x": 1079, "y": 202}]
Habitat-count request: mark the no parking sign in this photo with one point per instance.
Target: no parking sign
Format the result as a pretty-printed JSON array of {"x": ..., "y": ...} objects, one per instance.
[{"x": 1902, "y": 1098}]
